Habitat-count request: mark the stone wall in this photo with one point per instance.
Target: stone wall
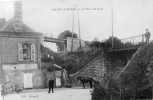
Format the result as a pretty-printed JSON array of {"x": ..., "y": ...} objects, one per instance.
[
  {"x": 95, "y": 69},
  {"x": 17, "y": 77},
  {"x": 102, "y": 68}
]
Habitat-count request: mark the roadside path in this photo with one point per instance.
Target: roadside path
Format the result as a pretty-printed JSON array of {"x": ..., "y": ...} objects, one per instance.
[{"x": 59, "y": 94}]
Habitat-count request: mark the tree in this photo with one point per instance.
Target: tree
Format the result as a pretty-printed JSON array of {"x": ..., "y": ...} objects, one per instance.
[
  {"x": 117, "y": 43},
  {"x": 95, "y": 43},
  {"x": 128, "y": 44},
  {"x": 105, "y": 45},
  {"x": 86, "y": 43},
  {"x": 64, "y": 35}
]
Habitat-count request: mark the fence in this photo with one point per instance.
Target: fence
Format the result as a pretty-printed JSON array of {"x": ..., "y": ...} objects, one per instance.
[{"x": 129, "y": 42}]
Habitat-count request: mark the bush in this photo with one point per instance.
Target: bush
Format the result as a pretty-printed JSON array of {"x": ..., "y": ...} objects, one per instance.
[{"x": 74, "y": 61}]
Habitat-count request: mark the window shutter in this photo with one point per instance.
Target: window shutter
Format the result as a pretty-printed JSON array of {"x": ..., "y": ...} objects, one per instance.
[
  {"x": 33, "y": 52},
  {"x": 20, "y": 52}
]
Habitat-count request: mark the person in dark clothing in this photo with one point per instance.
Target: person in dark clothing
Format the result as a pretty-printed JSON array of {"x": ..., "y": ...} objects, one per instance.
[
  {"x": 51, "y": 85},
  {"x": 147, "y": 35}
]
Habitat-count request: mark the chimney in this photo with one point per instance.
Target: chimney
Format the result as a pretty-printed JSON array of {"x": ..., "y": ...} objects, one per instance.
[
  {"x": 18, "y": 16},
  {"x": 2, "y": 22}
]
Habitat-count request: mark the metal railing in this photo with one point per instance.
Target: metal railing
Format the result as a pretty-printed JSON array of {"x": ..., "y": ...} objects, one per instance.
[
  {"x": 135, "y": 40},
  {"x": 130, "y": 42},
  {"x": 7, "y": 87},
  {"x": 55, "y": 40}
]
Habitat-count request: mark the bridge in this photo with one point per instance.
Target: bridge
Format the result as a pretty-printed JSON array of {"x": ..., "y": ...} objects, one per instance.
[
  {"x": 120, "y": 54},
  {"x": 126, "y": 44},
  {"x": 54, "y": 40},
  {"x": 66, "y": 43}
]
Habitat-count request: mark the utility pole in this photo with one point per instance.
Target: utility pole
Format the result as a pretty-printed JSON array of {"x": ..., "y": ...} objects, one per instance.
[
  {"x": 79, "y": 27},
  {"x": 112, "y": 27},
  {"x": 112, "y": 47},
  {"x": 72, "y": 28}
]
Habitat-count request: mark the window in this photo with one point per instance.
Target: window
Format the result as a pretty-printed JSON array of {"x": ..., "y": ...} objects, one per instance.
[
  {"x": 26, "y": 52},
  {"x": 33, "y": 52}
]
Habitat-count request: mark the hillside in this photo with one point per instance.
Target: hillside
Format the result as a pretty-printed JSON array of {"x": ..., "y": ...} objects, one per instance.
[
  {"x": 136, "y": 78},
  {"x": 46, "y": 54},
  {"x": 74, "y": 61},
  {"x": 71, "y": 61}
]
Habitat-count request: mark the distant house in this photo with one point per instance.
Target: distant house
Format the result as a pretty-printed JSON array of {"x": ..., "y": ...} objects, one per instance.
[
  {"x": 56, "y": 72},
  {"x": 76, "y": 44},
  {"x": 20, "y": 52}
]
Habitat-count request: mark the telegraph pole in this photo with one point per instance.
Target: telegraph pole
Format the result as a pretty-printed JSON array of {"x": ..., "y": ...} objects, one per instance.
[
  {"x": 112, "y": 47},
  {"x": 112, "y": 27},
  {"x": 79, "y": 27},
  {"x": 72, "y": 28}
]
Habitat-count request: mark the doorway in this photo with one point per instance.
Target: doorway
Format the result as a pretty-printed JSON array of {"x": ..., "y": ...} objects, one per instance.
[{"x": 28, "y": 83}]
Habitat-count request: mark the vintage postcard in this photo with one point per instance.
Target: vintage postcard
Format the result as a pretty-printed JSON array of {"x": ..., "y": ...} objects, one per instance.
[{"x": 76, "y": 49}]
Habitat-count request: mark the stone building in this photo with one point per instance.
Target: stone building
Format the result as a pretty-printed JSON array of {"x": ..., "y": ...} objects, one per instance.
[
  {"x": 55, "y": 72},
  {"x": 20, "y": 52},
  {"x": 76, "y": 44}
]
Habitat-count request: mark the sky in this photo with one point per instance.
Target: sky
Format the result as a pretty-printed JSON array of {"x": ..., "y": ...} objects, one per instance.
[{"x": 51, "y": 17}]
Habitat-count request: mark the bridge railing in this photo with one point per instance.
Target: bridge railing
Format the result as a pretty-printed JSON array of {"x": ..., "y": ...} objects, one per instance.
[
  {"x": 49, "y": 39},
  {"x": 130, "y": 42},
  {"x": 135, "y": 40}
]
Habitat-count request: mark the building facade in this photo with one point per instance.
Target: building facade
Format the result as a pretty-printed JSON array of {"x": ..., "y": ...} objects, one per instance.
[{"x": 20, "y": 55}]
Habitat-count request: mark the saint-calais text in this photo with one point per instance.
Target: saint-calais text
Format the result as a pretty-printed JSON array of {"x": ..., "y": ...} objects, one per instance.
[{"x": 70, "y": 9}]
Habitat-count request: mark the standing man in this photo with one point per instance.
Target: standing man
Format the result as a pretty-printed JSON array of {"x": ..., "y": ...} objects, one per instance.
[
  {"x": 147, "y": 35},
  {"x": 51, "y": 85}
]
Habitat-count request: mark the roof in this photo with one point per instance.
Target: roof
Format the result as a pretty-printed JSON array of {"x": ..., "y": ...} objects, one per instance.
[
  {"x": 9, "y": 26},
  {"x": 50, "y": 65},
  {"x": 57, "y": 66}
]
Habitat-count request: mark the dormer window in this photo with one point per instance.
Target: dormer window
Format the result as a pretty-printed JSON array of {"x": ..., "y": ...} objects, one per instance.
[{"x": 26, "y": 52}]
